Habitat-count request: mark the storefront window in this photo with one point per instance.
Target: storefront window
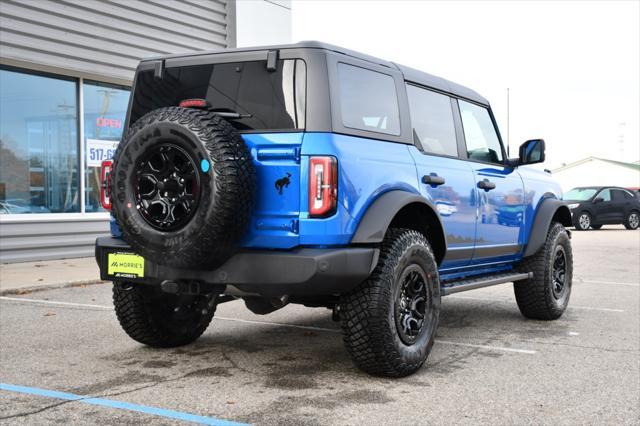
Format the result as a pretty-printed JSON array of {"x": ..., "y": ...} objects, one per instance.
[
  {"x": 105, "y": 108},
  {"x": 38, "y": 144}
]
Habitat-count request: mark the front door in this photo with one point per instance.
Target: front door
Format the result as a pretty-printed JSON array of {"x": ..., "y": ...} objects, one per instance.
[
  {"x": 603, "y": 208},
  {"x": 498, "y": 188}
]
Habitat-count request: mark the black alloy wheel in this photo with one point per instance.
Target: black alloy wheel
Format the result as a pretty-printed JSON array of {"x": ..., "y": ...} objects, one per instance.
[
  {"x": 167, "y": 187},
  {"x": 559, "y": 272},
  {"x": 411, "y": 304}
]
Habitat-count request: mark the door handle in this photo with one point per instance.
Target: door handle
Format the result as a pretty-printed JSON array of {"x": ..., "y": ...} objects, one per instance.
[
  {"x": 433, "y": 180},
  {"x": 486, "y": 184}
]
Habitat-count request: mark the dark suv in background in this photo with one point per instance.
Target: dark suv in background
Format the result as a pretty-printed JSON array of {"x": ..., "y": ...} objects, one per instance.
[{"x": 594, "y": 206}]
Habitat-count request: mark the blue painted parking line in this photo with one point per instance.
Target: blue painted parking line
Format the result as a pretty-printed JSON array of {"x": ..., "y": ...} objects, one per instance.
[{"x": 178, "y": 415}]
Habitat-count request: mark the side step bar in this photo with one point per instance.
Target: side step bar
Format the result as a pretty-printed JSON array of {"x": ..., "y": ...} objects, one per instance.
[{"x": 452, "y": 287}]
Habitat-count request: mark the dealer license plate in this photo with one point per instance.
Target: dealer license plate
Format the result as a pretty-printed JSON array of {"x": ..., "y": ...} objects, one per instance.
[{"x": 125, "y": 265}]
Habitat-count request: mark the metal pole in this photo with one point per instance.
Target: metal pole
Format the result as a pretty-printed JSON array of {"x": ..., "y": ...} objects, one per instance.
[{"x": 508, "y": 136}]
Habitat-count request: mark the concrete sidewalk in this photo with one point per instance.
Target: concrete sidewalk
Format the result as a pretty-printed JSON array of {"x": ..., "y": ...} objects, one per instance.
[{"x": 20, "y": 278}]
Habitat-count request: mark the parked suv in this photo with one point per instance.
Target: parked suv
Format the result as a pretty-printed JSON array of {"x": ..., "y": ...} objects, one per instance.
[
  {"x": 311, "y": 174},
  {"x": 594, "y": 206}
]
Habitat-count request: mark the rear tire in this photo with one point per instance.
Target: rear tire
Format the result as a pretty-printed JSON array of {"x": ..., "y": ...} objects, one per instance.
[
  {"x": 545, "y": 296},
  {"x": 390, "y": 320},
  {"x": 159, "y": 319},
  {"x": 632, "y": 222},
  {"x": 582, "y": 221}
]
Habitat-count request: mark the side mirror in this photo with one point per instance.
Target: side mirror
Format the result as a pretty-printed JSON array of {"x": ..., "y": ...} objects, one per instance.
[
  {"x": 532, "y": 152},
  {"x": 598, "y": 200}
]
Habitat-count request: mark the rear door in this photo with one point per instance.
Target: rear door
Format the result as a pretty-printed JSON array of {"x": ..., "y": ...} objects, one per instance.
[
  {"x": 445, "y": 179},
  {"x": 621, "y": 201},
  {"x": 498, "y": 188}
]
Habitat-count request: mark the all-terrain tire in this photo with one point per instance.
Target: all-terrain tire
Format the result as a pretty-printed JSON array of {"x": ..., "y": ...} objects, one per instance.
[
  {"x": 369, "y": 314},
  {"x": 632, "y": 222},
  {"x": 539, "y": 297},
  {"x": 149, "y": 316},
  {"x": 582, "y": 221},
  {"x": 221, "y": 179}
]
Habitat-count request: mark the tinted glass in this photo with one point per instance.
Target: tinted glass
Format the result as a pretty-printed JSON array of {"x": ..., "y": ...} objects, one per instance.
[
  {"x": 271, "y": 100},
  {"x": 105, "y": 108},
  {"x": 368, "y": 100},
  {"x": 579, "y": 194},
  {"x": 432, "y": 121},
  {"x": 38, "y": 144},
  {"x": 480, "y": 134},
  {"x": 620, "y": 195},
  {"x": 605, "y": 194}
]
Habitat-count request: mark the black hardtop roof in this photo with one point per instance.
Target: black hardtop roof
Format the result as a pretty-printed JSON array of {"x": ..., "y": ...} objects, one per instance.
[{"x": 410, "y": 74}]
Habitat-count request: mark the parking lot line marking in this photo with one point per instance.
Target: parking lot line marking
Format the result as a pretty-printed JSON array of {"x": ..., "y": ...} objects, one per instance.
[
  {"x": 488, "y": 299},
  {"x": 493, "y": 348},
  {"x": 277, "y": 324},
  {"x": 581, "y": 281},
  {"x": 171, "y": 414},
  {"x": 52, "y": 302}
]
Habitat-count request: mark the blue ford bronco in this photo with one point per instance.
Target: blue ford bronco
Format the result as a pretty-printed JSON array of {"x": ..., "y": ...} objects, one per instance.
[{"x": 311, "y": 174}]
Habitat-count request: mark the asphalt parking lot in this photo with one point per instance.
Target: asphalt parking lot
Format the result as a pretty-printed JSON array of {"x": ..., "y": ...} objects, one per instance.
[{"x": 489, "y": 364}]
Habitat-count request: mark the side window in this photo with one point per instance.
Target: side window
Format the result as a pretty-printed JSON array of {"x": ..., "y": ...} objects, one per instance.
[
  {"x": 620, "y": 195},
  {"x": 368, "y": 100},
  {"x": 432, "y": 121},
  {"x": 480, "y": 134},
  {"x": 605, "y": 194}
]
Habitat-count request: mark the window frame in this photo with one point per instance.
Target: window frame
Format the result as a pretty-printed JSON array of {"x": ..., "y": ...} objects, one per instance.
[
  {"x": 624, "y": 191},
  {"x": 405, "y": 136},
  {"x": 456, "y": 125},
  {"x": 457, "y": 119},
  {"x": 465, "y": 154},
  {"x": 78, "y": 80},
  {"x": 601, "y": 191}
]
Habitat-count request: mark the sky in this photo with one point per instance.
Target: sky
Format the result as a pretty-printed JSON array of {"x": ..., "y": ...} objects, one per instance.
[{"x": 572, "y": 68}]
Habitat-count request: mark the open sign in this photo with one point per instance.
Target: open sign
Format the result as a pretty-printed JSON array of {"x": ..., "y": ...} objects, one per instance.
[{"x": 108, "y": 122}]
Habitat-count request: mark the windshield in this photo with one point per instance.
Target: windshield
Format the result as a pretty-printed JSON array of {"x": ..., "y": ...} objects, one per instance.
[
  {"x": 267, "y": 100},
  {"x": 580, "y": 194}
]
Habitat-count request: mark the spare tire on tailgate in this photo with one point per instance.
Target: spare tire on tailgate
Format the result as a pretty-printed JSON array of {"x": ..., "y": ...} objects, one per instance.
[{"x": 183, "y": 187}]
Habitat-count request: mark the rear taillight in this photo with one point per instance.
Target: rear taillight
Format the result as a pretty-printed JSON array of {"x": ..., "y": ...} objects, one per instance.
[
  {"x": 323, "y": 186},
  {"x": 105, "y": 187},
  {"x": 194, "y": 103}
]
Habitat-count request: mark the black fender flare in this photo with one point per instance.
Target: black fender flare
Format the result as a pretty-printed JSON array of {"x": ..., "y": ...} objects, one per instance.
[
  {"x": 550, "y": 209},
  {"x": 376, "y": 220}
]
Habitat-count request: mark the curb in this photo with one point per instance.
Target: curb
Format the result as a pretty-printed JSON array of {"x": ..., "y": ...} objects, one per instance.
[{"x": 44, "y": 287}]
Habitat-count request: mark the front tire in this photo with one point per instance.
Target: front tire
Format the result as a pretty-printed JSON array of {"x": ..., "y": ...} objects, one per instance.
[
  {"x": 159, "y": 319},
  {"x": 545, "y": 296},
  {"x": 583, "y": 221},
  {"x": 632, "y": 221},
  {"x": 390, "y": 320}
]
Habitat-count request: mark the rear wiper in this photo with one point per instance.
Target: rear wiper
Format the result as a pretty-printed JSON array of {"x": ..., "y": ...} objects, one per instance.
[{"x": 232, "y": 115}]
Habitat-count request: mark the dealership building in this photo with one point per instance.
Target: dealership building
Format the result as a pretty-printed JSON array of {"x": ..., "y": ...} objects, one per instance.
[{"x": 66, "y": 69}]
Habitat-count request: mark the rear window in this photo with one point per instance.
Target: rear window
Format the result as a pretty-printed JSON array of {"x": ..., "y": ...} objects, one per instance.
[
  {"x": 368, "y": 100},
  {"x": 275, "y": 100}
]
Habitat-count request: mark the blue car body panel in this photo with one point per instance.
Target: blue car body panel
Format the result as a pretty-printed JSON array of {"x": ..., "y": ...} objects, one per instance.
[{"x": 485, "y": 231}]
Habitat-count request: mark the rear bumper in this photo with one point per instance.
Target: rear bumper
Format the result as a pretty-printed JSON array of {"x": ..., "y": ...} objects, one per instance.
[{"x": 300, "y": 271}]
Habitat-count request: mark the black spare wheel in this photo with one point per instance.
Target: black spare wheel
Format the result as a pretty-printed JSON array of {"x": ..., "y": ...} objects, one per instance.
[{"x": 183, "y": 187}]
